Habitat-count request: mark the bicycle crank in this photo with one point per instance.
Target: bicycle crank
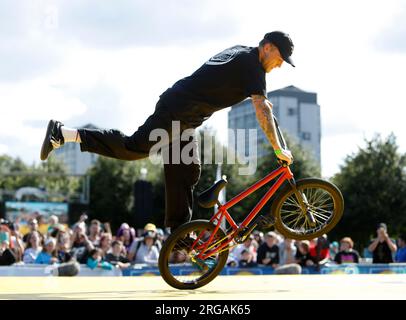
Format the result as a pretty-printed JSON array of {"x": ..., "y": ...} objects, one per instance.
[
  {"x": 265, "y": 222},
  {"x": 200, "y": 264}
]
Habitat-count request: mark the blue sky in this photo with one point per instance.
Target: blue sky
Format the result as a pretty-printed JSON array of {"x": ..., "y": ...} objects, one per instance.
[{"x": 107, "y": 62}]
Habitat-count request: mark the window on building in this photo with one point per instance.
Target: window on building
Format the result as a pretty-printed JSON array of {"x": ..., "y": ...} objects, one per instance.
[
  {"x": 306, "y": 136},
  {"x": 240, "y": 123},
  {"x": 291, "y": 111}
]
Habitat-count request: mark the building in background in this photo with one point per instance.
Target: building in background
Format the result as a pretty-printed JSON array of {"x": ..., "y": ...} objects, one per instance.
[
  {"x": 77, "y": 162},
  {"x": 298, "y": 115}
]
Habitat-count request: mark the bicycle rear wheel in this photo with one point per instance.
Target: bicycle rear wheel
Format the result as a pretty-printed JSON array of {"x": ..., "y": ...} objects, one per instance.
[
  {"x": 178, "y": 262},
  {"x": 324, "y": 201}
]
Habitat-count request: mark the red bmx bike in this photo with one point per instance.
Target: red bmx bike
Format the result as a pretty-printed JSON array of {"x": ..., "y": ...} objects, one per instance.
[{"x": 196, "y": 252}]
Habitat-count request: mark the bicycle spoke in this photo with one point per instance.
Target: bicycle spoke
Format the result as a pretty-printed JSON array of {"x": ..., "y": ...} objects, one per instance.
[
  {"x": 292, "y": 203},
  {"x": 320, "y": 209},
  {"x": 320, "y": 203},
  {"x": 304, "y": 224},
  {"x": 324, "y": 201},
  {"x": 322, "y": 214},
  {"x": 290, "y": 213},
  {"x": 328, "y": 205},
  {"x": 311, "y": 195},
  {"x": 297, "y": 222},
  {"x": 316, "y": 218},
  {"x": 193, "y": 269},
  {"x": 319, "y": 196},
  {"x": 324, "y": 197}
]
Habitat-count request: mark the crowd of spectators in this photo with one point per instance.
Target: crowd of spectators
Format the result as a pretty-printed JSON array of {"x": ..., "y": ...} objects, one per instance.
[
  {"x": 94, "y": 244},
  {"x": 275, "y": 251}
]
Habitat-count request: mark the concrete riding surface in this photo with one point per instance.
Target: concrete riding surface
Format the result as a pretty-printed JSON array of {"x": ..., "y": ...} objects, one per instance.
[{"x": 264, "y": 287}]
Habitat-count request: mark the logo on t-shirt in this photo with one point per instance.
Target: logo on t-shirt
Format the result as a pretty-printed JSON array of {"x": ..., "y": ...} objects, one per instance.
[
  {"x": 270, "y": 255},
  {"x": 223, "y": 57},
  {"x": 347, "y": 258}
]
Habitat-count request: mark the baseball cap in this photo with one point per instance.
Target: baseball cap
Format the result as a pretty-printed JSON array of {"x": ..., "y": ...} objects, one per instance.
[
  {"x": 49, "y": 241},
  {"x": 283, "y": 42},
  {"x": 150, "y": 227}
]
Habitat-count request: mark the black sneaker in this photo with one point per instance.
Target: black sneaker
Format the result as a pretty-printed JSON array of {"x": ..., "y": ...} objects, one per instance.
[{"x": 53, "y": 138}]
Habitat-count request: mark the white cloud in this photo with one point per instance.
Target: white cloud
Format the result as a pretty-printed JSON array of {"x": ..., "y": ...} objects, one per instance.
[
  {"x": 32, "y": 102},
  {"x": 4, "y": 149},
  {"x": 126, "y": 23},
  {"x": 116, "y": 83},
  {"x": 392, "y": 38}
]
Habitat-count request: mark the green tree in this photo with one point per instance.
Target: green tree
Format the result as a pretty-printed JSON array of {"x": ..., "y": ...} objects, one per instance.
[
  {"x": 50, "y": 175},
  {"x": 304, "y": 163},
  {"x": 112, "y": 186},
  {"x": 9, "y": 165},
  {"x": 373, "y": 183}
]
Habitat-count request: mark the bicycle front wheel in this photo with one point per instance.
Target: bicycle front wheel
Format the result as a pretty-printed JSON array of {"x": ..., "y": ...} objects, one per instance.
[
  {"x": 179, "y": 264},
  {"x": 324, "y": 202}
]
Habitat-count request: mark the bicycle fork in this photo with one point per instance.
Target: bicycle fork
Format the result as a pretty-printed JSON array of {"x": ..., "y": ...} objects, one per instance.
[{"x": 304, "y": 204}]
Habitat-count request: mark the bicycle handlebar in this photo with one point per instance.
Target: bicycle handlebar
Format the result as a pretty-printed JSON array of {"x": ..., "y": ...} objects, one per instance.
[
  {"x": 282, "y": 163},
  {"x": 280, "y": 135},
  {"x": 281, "y": 140}
]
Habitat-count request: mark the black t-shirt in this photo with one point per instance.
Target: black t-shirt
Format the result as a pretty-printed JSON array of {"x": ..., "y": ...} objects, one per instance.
[
  {"x": 265, "y": 252},
  {"x": 79, "y": 252},
  {"x": 224, "y": 80},
  {"x": 302, "y": 258},
  {"x": 246, "y": 264},
  {"x": 64, "y": 256},
  {"x": 382, "y": 253},
  {"x": 7, "y": 257},
  {"x": 114, "y": 259}
]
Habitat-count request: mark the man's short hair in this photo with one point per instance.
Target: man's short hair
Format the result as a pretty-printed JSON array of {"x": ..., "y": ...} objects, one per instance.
[
  {"x": 264, "y": 42},
  {"x": 271, "y": 234}
]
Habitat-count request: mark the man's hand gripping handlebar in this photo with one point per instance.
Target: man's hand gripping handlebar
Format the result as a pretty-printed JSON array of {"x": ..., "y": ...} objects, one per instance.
[{"x": 284, "y": 156}]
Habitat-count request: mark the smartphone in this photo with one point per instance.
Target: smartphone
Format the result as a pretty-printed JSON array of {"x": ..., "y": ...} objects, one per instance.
[{"x": 4, "y": 237}]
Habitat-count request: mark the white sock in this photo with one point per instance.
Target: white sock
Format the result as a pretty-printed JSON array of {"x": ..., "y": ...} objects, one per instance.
[{"x": 70, "y": 134}]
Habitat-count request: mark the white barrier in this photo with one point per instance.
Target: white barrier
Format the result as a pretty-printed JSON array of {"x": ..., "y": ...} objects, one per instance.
[{"x": 39, "y": 270}]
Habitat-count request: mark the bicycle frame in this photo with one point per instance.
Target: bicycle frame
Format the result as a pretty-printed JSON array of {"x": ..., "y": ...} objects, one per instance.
[{"x": 284, "y": 173}]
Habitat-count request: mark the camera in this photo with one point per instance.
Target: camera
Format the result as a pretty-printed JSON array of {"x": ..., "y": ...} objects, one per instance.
[
  {"x": 7, "y": 223},
  {"x": 4, "y": 222}
]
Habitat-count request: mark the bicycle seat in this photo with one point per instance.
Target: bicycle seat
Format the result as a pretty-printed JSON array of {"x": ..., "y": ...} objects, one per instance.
[{"x": 208, "y": 198}]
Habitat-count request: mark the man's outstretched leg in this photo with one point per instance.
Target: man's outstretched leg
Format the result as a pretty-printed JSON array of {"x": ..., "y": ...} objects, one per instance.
[{"x": 110, "y": 143}]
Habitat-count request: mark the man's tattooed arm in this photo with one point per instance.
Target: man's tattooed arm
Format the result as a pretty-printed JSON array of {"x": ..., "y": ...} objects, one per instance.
[{"x": 263, "y": 110}]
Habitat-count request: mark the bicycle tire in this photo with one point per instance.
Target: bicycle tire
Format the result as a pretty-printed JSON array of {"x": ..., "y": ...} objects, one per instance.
[
  {"x": 170, "y": 243},
  {"x": 306, "y": 184}
]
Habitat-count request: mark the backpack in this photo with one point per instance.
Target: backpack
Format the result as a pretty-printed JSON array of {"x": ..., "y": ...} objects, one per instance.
[{"x": 140, "y": 241}]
